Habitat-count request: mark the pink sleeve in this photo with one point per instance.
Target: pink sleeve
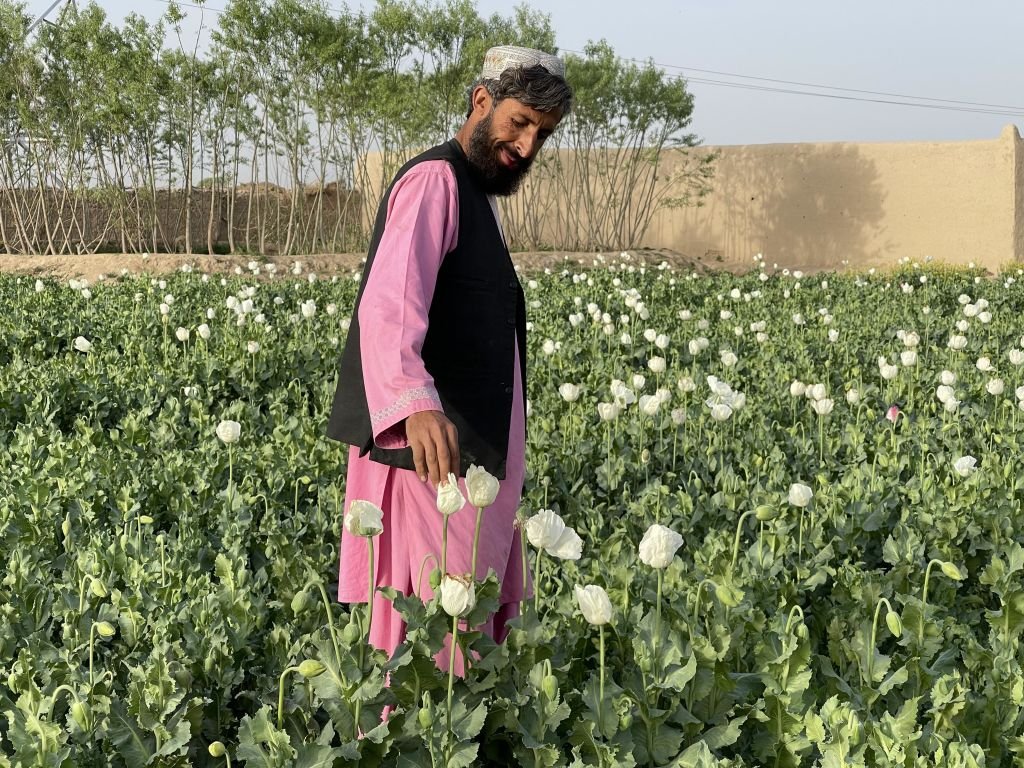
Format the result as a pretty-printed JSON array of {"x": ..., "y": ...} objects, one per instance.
[{"x": 421, "y": 227}]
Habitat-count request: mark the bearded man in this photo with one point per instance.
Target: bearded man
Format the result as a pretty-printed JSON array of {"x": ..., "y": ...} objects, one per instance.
[{"x": 432, "y": 378}]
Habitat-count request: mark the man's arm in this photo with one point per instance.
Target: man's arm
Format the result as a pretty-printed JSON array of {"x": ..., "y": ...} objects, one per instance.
[{"x": 420, "y": 228}]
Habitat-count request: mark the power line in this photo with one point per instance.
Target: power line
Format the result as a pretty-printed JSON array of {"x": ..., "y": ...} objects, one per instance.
[
  {"x": 192, "y": 5},
  {"x": 893, "y": 99},
  {"x": 943, "y": 107},
  {"x": 1010, "y": 110}
]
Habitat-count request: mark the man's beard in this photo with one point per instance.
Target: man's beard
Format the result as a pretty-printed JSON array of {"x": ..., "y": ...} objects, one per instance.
[{"x": 484, "y": 155}]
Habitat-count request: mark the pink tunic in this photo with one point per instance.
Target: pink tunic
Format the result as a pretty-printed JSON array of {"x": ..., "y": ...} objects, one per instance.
[{"x": 422, "y": 226}]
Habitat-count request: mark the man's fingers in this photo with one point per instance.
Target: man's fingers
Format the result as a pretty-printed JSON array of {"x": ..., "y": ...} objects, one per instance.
[
  {"x": 418, "y": 460},
  {"x": 441, "y": 451},
  {"x": 435, "y": 446},
  {"x": 452, "y": 435},
  {"x": 430, "y": 459}
]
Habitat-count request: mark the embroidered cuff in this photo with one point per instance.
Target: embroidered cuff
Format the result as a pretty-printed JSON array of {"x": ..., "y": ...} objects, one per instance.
[{"x": 389, "y": 423}]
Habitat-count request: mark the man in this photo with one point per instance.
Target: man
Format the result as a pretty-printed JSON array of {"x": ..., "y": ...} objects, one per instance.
[{"x": 432, "y": 377}]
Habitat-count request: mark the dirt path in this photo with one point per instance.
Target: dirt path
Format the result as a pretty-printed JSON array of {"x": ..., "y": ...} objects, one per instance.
[{"x": 91, "y": 266}]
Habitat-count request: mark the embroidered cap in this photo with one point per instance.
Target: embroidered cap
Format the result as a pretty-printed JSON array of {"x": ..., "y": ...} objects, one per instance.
[{"x": 503, "y": 57}]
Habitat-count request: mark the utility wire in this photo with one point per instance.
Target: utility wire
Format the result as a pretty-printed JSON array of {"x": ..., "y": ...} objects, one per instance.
[
  {"x": 1016, "y": 110},
  {"x": 943, "y": 107},
  {"x": 894, "y": 99}
]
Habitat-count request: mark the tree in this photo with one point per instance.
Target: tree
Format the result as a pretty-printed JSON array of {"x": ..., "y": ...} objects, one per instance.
[{"x": 603, "y": 176}]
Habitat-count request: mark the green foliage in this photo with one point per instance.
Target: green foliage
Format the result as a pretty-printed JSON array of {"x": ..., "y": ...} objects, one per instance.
[{"x": 775, "y": 656}]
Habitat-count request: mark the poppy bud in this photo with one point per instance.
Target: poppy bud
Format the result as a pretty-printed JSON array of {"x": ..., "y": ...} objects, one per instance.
[
  {"x": 892, "y": 621},
  {"x": 952, "y": 572},
  {"x": 311, "y": 668},
  {"x": 550, "y": 686},
  {"x": 81, "y": 714},
  {"x": 350, "y": 633},
  {"x": 300, "y": 602},
  {"x": 216, "y": 749}
]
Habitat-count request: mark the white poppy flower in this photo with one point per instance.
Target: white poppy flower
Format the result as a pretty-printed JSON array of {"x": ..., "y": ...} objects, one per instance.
[
  {"x": 908, "y": 358},
  {"x": 995, "y": 386},
  {"x": 657, "y": 364},
  {"x": 852, "y": 396},
  {"x": 458, "y": 595},
  {"x": 816, "y": 392},
  {"x": 449, "y": 498},
  {"x": 649, "y": 404},
  {"x": 364, "y": 518},
  {"x": 229, "y": 431},
  {"x": 823, "y": 407},
  {"x": 720, "y": 412},
  {"x": 658, "y": 546},
  {"x": 569, "y": 392},
  {"x": 548, "y": 531},
  {"x": 948, "y": 378},
  {"x": 544, "y": 528},
  {"x": 957, "y": 342},
  {"x": 944, "y": 393},
  {"x": 182, "y": 334},
  {"x": 984, "y": 365},
  {"x": 82, "y": 344},
  {"x": 608, "y": 411},
  {"x": 594, "y": 604},
  {"x": 800, "y": 495},
  {"x": 965, "y": 465},
  {"x": 481, "y": 486},
  {"x": 797, "y": 388}
]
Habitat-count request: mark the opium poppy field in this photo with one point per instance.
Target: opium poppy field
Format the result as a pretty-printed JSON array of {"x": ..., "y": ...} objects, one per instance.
[{"x": 772, "y": 519}]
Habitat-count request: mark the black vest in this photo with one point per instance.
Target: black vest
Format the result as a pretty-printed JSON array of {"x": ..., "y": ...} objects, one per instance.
[{"x": 477, "y": 313}]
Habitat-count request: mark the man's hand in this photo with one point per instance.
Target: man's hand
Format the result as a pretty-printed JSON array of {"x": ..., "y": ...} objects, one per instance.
[{"x": 435, "y": 445}]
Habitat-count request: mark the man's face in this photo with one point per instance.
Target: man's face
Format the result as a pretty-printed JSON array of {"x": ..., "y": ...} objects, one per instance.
[{"x": 505, "y": 141}]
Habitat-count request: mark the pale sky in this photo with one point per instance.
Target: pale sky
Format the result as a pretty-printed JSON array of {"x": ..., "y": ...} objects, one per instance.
[{"x": 957, "y": 51}]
